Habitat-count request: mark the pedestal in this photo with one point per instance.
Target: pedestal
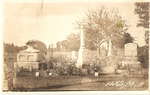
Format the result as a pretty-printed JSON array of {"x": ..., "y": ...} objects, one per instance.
[
  {"x": 132, "y": 63},
  {"x": 82, "y": 57}
]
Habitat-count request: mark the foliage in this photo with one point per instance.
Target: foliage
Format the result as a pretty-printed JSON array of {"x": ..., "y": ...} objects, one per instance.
[
  {"x": 128, "y": 38},
  {"x": 142, "y": 9},
  {"x": 66, "y": 69},
  {"x": 11, "y": 48},
  {"x": 72, "y": 43},
  {"x": 37, "y": 45},
  {"x": 40, "y": 46},
  {"x": 146, "y": 37},
  {"x": 143, "y": 56}
]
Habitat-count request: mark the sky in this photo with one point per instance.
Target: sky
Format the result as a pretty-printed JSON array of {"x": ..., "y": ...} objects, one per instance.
[{"x": 53, "y": 21}]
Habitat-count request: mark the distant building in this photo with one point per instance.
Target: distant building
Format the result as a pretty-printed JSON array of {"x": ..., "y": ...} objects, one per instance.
[{"x": 28, "y": 59}]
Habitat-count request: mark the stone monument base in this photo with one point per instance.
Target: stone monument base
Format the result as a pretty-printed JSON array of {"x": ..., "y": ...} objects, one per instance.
[
  {"x": 85, "y": 57},
  {"x": 82, "y": 57},
  {"x": 131, "y": 63},
  {"x": 108, "y": 65}
]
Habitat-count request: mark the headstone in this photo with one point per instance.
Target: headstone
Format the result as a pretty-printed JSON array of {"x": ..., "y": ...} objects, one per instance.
[
  {"x": 50, "y": 74},
  {"x": 130, "y": 52},
  {"x": 131, "y": 49},
  {"x": 130, "y": 57},
  {"x": 84, "y": 71},
  {"x": 37, "y": 74},
  {"x": 96, "y": 74}
]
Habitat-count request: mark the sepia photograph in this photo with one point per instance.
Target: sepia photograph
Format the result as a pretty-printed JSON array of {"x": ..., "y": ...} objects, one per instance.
[{"x": 75, "y": 46}]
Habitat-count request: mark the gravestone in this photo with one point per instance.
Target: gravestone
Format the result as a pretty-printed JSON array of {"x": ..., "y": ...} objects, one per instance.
[
  {"x": 96, "y": 74},
  {"x": 130, "y": 57},
  {"x": 131, "y": 49},
  {"x": 131, "y": 52}
]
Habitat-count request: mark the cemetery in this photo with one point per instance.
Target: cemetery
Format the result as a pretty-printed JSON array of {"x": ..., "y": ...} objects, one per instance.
[
  {"x": 103, "y": 55},
  {"x": 74, "y": 68},
  {"x": 68, "y": 70}
]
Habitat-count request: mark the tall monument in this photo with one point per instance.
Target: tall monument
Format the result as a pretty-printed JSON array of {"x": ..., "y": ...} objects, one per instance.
[{"x": 82, "y": 51}]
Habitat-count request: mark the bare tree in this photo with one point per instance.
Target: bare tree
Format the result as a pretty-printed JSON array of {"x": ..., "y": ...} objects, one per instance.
[{"x": 102, "y": 24}]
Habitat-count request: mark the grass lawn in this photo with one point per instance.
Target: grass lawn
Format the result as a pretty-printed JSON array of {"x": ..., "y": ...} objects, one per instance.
[{"x": 102, "y": 83}]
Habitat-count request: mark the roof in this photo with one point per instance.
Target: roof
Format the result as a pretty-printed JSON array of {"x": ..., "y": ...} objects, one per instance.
[{"x": 30, "y": 50}]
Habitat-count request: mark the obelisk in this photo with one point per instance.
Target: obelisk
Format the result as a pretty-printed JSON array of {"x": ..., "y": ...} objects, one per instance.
[{"x": 81, "y": 55}]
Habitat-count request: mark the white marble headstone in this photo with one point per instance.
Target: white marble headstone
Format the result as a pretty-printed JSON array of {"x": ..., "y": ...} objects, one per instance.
[{"x": 131, "y": 49}]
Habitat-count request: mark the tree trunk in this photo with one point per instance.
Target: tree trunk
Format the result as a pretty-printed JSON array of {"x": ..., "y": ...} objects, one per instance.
[{"x": 109, "y": 48}]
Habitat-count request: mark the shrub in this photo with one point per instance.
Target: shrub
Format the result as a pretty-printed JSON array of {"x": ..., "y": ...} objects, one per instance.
[{"x": 143, "y": 56}]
